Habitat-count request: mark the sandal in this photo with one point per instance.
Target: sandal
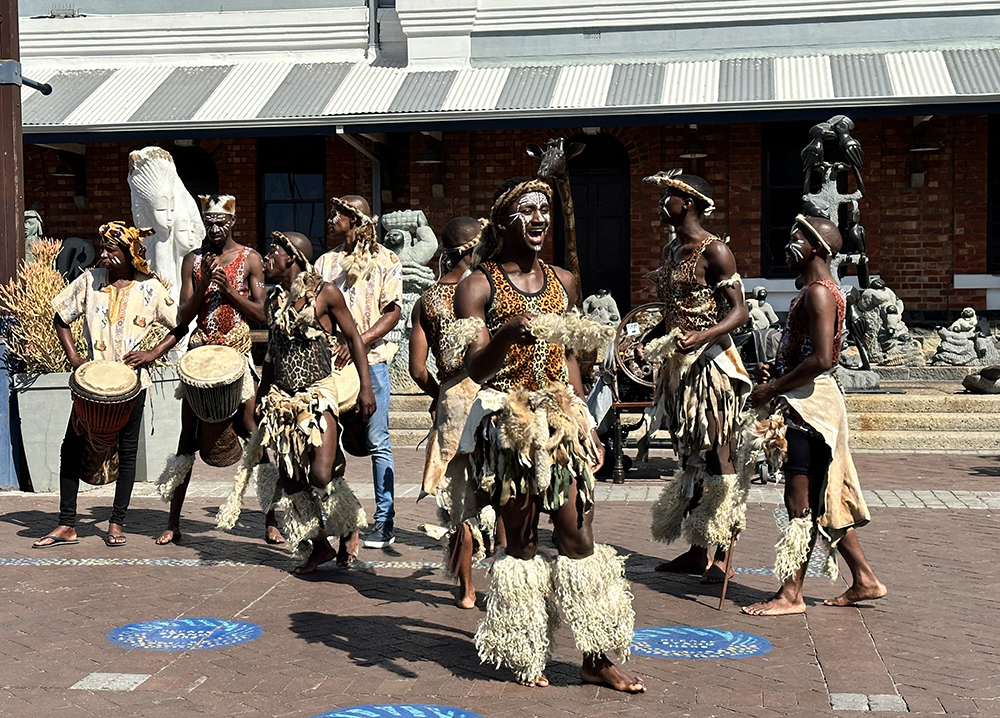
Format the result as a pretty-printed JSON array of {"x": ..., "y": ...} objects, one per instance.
[{"x": 114, "y": 540}]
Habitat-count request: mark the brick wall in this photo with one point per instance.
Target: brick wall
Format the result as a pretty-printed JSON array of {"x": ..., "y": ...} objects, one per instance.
[{"x": 917, "y": 238}]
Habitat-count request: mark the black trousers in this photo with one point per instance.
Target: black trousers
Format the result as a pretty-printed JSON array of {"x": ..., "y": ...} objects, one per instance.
[{"x": 71, "y": 461}]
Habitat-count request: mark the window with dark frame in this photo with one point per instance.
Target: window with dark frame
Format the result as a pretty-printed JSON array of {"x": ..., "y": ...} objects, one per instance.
[
  {"x": 993, "y": 197},
  {"x": 781, "y": 171},
  {"x": 292, "y": 180}
]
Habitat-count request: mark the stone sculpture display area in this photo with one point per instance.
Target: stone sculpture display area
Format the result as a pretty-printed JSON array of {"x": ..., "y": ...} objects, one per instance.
[
  {"x": 964, "y": 344},
  {"x": 762, "y": 314},
  {"x": 886, "y": 337},
  {"x": 410, "y": 236},
  {"x": 602, "y": 308}
]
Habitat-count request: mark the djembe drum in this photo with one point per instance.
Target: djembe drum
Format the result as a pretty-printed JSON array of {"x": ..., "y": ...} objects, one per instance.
[
  {"x": 104, "y": 395},
  {"x": 212, "y": 380}
]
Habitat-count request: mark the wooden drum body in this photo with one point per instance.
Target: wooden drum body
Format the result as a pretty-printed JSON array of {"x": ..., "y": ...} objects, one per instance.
[
  {"x": 212, "y": 377},
  {"x": 104, "y": 395}
]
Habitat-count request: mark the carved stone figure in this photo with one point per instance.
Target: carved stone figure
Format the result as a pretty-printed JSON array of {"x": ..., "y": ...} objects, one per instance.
[
  {"x": 553, "y": 169},
  {"x": 887, "y": 340},
  {"x": 161, "y": 201},
  {"x": 410, "y": 236},
  {"x": 984, "y": 381},
  {"x": 762, "y": 314},
  {"x": 75, "y": 255},
  {"x": 603, "y": 308},
  {"x": 963, "y": 344},
  {"x": 32, "y": 232}
]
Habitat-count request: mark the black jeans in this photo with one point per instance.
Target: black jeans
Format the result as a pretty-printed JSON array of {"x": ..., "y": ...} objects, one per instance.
[{"x": 70, "y": 462}]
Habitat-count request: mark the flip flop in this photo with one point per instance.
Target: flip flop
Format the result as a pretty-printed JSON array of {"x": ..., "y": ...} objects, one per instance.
[
  {"x": 56, "y": 541},
  {"x": 108, "y": 540}
]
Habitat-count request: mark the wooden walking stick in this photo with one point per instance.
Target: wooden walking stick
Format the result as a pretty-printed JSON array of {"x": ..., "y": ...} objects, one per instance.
[{"x": 729, "y": 566}]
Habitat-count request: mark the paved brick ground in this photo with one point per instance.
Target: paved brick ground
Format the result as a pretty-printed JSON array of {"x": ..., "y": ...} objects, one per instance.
[{"x": 388, "y": 632}]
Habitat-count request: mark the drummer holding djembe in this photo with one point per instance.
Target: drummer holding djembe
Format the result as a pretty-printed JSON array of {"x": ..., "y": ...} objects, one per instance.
[
  {"x": 222, "y": 283},
  {"x": 118, "y": 301}
]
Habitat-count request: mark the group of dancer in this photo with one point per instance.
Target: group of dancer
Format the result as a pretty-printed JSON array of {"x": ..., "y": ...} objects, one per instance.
[{"x": 512, "y": 437}]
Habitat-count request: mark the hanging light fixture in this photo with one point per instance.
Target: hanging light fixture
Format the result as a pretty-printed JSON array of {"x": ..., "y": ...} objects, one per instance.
[
  {"x": 433, "y": 153},
  {"x": 65, "y": 169},
  {"x": 694, "y": 150}
]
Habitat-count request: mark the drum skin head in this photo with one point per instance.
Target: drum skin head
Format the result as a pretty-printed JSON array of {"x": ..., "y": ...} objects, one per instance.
[
  {"x": 211, "y": 365},
  {"x": 106, "y": 378}
]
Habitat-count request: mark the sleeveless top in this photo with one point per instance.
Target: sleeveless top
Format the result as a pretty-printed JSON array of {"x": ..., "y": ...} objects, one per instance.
[
  {"x": 298, "y": 345},
  {"x": 219, "y": 321},
  {"x": 439, "y": 313},
  {"x": 795, "y": 346},
  {"x": 527, "y": 366},
  {"x": 690, "y": 305}
]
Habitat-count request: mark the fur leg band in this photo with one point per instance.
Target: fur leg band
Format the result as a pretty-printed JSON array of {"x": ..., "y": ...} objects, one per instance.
[
  {"x": 792, "y": 549},
  {"x": 229, "y": 512},
  {"x": 515, "y": 631},
  {"x": 342, "y": 512},
  {"x": 671, "y": 507},
  {"x": 265, "y": 482},
  {"x": 596, "y": 600},
  {"x": 721, "y": 509},
  {"x": 174, "y": 472}
]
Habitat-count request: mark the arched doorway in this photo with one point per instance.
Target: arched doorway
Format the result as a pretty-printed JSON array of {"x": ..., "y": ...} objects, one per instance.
[{"x": 599, "y": 180}]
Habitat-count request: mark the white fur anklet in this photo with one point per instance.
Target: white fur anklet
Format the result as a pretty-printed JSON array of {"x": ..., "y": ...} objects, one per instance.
[
  {"x": 792, "y": 549},
  {"x": 515, "y": 631},
  {"x": 596, "y": 600},
  {"x": 173, "y": 475}
]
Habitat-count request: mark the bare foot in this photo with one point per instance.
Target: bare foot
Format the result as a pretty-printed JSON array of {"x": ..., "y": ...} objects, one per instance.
[
  {"x": 61, "y": 535},
  {"x": 716, "y": 573},
  {"x": 273, "y": 536},
  {"x": 321, "y": 553},
  {"x": 466, "y": 598},
  {"x": 694, "y": 560},
  {"x": 540, "y": 682},
  {"x": 170, "y": 535},
  {"x": 348, "y": 551},
  {"x": 867, "y": 592},
  {"x": 601, "y": 671},
  {"x": 777, "y": 606}
]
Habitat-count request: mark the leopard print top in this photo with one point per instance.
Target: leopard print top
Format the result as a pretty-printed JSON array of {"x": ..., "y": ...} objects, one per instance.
[
  {"x": 528, "y": 366},
  {"x": 439, "y": 313},
  {"x": 690, "y": 305},
  {"x": 298, "y": 346}
]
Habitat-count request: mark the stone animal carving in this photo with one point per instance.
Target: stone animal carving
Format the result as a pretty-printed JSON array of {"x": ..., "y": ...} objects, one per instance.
[
  {"x": 32, "y": 232},
  {"x": 963, "y": 344},
  {"x": 161, "y": 201},
  {"x": 75, "y": 255},
  {"x": 602, "y": 308},
  {"x": 886, "y": 338},
  {"x": 984, "y": 381},
  {"x": 762, "y": 314},
  {"x": 553, "y": 169},
  {"x": 410, "y": 236}
]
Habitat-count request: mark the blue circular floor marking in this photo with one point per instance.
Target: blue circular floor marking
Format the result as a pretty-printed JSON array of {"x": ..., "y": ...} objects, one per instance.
[
  {"x": 402, "y": 710},
  {"x": 184, "y": 634},
  {"x": 697, "y": 643}
]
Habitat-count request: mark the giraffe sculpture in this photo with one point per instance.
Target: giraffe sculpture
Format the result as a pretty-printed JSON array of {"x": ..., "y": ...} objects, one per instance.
[{"x": 553, "y": 168}]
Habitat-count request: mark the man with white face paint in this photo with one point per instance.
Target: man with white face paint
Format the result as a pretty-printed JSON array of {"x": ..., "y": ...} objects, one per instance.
[
  {"x": 822, "y": 492},
  {"x": 532, "y": 444},
  {"x": 702, "y": 385},
  {"x": 466, "y": 512}
]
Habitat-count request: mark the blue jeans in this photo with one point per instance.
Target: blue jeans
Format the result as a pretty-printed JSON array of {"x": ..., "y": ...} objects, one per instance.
[{"x": 383, "y": 470}]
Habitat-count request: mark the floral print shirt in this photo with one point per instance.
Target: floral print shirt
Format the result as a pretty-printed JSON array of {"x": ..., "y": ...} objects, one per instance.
[{"x": 116, "y": 320}]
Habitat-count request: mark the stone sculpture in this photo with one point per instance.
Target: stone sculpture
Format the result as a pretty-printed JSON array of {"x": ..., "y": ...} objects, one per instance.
[
  {"x": 762, "y": 314},
  {"x": 410, "y": 236},
  {"x": 963, "y": 343},
  {"x": 161, "y": 201},
  {"x": 886, "y": 338},
  {"x": 32, "y": 232},
  {"x": 602, "y": 308},
  {"x": 75, "y": 255},
  {"x": 984, "y": 381}
]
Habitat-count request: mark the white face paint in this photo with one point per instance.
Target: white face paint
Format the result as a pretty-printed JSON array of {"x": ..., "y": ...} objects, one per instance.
[
  {"x": 524, "y": 211},
  {"x": 796, "y": 246}
]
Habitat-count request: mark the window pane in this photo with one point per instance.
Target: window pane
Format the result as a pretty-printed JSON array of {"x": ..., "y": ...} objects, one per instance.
[
  {"x": 277, "y": 186},
  {"x": 308, "y": 186},
  {"x": 278, "y": 217}
]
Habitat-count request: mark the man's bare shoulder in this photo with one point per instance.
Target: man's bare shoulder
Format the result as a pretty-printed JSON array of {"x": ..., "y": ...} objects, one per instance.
[
  {"x": 818, "y": 298},
  {"x": 719, "y": 251}
]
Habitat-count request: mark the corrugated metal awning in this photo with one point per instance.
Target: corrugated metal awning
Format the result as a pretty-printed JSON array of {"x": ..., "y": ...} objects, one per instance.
[{"x": 244, "y": 96}]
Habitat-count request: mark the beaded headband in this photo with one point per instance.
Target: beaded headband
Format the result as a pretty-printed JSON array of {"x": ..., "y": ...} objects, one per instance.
[
  {"x": 803, "y": 221},
  {"x": 668, "y": 180},
  {"x": 351, "y": 211},
  {"x": 296, "y": 253}
]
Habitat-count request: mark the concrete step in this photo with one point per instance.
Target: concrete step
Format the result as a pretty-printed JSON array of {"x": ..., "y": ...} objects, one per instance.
[
  {"x": 923, "y": 402},
  {"x": 924, "y": 421},
  {"x": 985, "y": 441},
  {"x": 410, "y": 420},
  {"x": 409, "y": 402},
  {"x": 401, "y": 438}
]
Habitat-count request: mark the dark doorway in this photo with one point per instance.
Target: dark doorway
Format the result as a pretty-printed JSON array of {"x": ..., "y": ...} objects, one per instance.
[
  {"x": 196, "y": 169},
  {"x": 599, "y": 180}
]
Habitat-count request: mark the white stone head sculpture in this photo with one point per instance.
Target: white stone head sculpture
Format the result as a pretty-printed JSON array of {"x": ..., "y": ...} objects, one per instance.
[{"x": 160, "y": 201}]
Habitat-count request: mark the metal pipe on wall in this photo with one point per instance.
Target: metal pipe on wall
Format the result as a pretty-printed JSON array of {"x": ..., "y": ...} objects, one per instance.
[{"x": 376, "y": 201}]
